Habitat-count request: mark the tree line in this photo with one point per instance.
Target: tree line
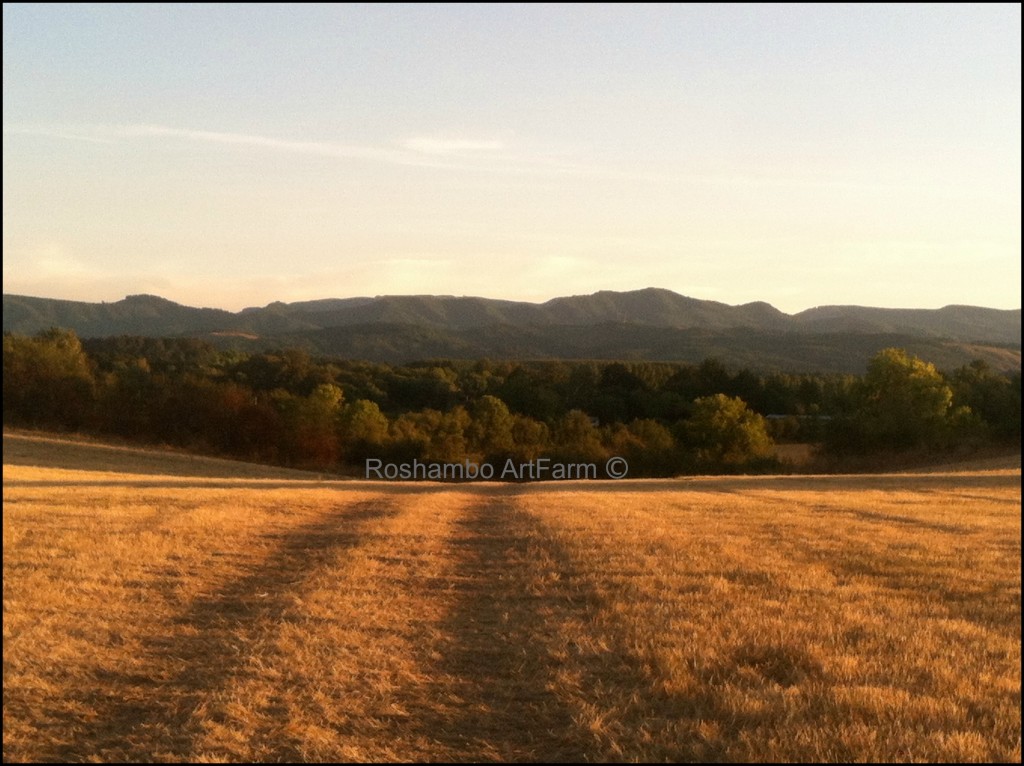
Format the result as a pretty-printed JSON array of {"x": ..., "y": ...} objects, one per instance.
[{"x": 290, "y": 408}]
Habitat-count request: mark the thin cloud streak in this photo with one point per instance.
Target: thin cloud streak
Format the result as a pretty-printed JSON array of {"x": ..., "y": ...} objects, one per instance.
[
  {"x": 320, "y": 148},
  {"x": 451, "y": 146},
  {"x": 443, "y": 154},
  {"x": 469, "y": 155}
]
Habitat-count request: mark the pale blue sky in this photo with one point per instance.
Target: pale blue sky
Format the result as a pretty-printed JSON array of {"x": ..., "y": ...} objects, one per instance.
[{"x": 233, "y": 155}]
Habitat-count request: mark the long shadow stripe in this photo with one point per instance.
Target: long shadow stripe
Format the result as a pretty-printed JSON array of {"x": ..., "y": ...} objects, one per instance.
[
  {"x": 150, "y": 718},
  {"x": 500, "y": 697}
]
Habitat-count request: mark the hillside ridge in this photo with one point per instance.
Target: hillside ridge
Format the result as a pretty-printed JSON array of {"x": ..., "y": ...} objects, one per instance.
[{"x": 650, "y": 324}]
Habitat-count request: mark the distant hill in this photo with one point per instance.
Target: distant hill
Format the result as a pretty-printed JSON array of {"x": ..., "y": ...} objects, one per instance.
[
  {"x": 965, "y": 323},
  {"x": 650, "y": 324},
  {"x": 135, "y": 315}
]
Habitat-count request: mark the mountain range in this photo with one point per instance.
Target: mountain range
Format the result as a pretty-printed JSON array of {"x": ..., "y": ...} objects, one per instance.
[{"x": 650, "y": 324}]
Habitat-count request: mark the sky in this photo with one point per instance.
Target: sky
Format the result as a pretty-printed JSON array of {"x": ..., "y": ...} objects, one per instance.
[{"x": 230, "y": 156}]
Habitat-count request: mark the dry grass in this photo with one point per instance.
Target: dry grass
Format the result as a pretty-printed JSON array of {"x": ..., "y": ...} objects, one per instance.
[{"x": 150, "y": 614}]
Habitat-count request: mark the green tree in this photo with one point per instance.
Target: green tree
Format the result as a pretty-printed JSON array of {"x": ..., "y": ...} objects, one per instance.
[
  {"x": 408, "y": 439},
  {"x": 726, "y": 434},
  {"x": 364, "y": 429},
  {"x": 993, "y": 399},
  {"x": 490, "y": 432},
  {"x": 313, "y": 424},
  {"x": 48, "y": 380},
  {"x": 902, "y": 402},
  {"x": 430, "y": 435},
  {"x": 646, "y": 445},
  {"x": 531, "y": 437},
  {"x": 576, "y": 438}
]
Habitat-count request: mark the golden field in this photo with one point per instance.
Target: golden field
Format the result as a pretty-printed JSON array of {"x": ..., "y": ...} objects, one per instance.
[{"x": 164, "y": 607}]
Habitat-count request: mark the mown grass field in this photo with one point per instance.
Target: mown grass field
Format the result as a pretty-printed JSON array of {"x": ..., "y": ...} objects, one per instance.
[{"x": 161, "y": 607}]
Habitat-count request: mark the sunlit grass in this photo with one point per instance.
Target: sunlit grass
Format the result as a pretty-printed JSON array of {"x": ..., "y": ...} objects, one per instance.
[{"x": 150, "y": 615}]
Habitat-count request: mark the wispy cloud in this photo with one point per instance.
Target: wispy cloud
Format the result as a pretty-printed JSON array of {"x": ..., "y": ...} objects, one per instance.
[
  {"x": 486, "y": 155},
  {"x": 428, "y": 152},
  {"x": 320, "y": 148},
  {"x": 452, "y": 146},
  {"x": 478, "y": 155}
]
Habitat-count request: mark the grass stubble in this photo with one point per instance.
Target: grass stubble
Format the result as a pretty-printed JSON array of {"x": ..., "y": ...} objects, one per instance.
[{"x": 156, "y": 615}]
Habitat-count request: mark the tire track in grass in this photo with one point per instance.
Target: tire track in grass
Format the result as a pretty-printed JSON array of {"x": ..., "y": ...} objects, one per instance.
[
  {"x": 528, "y": 673},
  {"x": 341, "y": 678},
  {"x": 491, "y": 675},
  {"x": 144, "y": 714}
]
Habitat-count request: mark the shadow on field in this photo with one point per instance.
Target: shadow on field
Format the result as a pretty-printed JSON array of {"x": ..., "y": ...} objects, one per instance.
[
  {"x": 146, "y": 714},
  {"x": 906, "y": 521},
  {"x": 497, "y": 705},
  {"x": 872, "y": 517},
  {"x": 508, "y": 661},
  {"x": 920, "y": 567},
  {"x": 996, "y": 499}
]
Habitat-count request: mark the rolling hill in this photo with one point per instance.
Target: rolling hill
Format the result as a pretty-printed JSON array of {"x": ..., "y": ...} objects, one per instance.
[{"x": 652, "y": 324}]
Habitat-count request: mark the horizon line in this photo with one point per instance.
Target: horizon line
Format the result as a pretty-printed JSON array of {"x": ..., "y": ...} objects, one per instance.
[{"x": 508, "y": 300}]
